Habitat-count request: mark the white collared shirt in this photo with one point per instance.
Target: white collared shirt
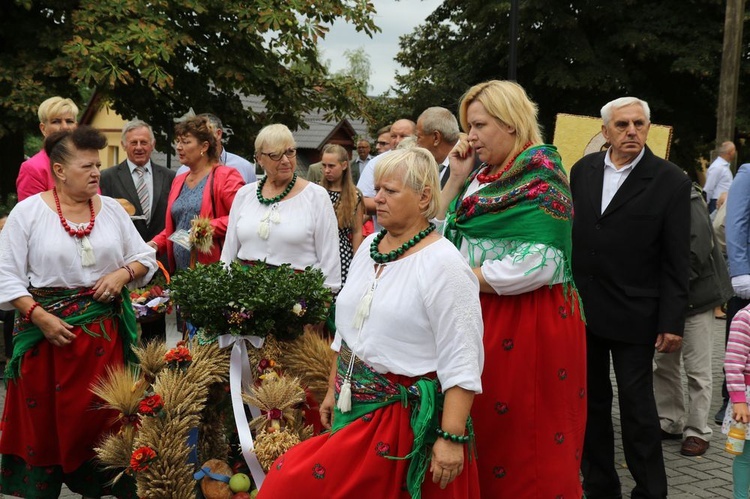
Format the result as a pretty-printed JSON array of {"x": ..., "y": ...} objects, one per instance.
[{"x": 614, "y": 177}]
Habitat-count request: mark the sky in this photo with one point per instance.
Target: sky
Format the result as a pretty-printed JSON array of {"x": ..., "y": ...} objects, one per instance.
[{"x": 394, "y": 18}]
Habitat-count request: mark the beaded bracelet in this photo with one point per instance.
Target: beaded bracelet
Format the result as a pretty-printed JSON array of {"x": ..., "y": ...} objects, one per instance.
[
  {"x": 27, "y": 317},
  {"x": 459, "y": 439},
  {"x": 130, "y": 271}
]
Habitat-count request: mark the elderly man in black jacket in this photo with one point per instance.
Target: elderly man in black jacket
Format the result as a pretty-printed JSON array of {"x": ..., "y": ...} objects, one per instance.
[
  {"x": 631, "y": 257},
  {"x": 709, "y": 286}
]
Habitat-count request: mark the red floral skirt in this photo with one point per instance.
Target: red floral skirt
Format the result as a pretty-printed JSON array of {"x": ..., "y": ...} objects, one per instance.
[
  {"x": 531, "y": 416},
  {"x": 351, "y": 463},
  {"x": 50, "y": 416}
]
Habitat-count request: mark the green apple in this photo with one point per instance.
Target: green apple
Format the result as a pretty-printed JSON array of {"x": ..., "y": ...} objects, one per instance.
[
  {"x": 239, "y": 482},
  {"x": 254, "y": 493}
]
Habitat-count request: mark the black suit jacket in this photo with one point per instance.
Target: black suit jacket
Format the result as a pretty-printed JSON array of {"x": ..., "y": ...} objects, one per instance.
[
  {"x": 117, "y": 182},
  {"x": 631, "y": 263}
]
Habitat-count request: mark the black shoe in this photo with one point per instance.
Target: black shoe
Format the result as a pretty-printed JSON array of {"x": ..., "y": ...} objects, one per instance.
[
  {"x": 719, "y": 416},
  {"x": 670, "y": 436}
]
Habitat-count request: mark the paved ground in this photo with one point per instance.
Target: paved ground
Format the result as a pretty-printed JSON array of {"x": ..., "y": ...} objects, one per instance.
[{"x": 708, "y": 476}]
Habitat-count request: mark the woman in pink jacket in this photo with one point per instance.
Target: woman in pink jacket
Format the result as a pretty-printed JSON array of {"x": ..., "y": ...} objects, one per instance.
[
  {"x": 206, "y": 190},
  {"x": 35, "y": 175}
]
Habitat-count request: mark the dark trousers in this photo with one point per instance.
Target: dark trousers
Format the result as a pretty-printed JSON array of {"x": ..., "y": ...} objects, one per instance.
[{"x": 641, "y": 433}]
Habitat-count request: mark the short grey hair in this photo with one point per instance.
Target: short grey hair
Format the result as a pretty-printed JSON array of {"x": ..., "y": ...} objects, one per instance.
[
  {"x": 418, "y": 170},
  {"x": 213, "y": 120},
  {"x": 132, "y": 125},
  {"x": 609, "y": 108},
  {"x": 442, "y": 120}
]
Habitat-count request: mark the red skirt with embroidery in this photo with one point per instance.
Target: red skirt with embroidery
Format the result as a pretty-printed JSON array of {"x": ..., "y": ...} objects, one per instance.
[
  {"x": 50, "y": 416},
  {"x": 531, "y": 416},
  {"x": 351, "y": 463}
]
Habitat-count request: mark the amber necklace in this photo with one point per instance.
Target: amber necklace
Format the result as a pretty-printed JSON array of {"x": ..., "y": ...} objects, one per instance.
[{"x": 485, "y": 178}]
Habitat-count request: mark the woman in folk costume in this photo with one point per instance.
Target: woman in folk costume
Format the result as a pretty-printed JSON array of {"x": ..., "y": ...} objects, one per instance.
[
  {"x": 65, "y": 257},
  {"x": 511, "y": 218},
  {"x": 409, "y": 343}
]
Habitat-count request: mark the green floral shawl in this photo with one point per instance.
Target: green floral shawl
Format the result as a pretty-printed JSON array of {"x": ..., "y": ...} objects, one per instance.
[{"x": 530, "y": 204}]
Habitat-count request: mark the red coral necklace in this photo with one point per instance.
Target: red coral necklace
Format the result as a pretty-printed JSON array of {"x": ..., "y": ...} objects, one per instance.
[
  {"x": 485, "y": 178},
  {"x": 79, "y": 233}
]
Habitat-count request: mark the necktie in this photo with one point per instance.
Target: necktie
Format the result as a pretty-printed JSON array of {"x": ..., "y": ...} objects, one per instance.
[
  {"x": 446, "y": 173},
  {"x": 142, "y": 190}
]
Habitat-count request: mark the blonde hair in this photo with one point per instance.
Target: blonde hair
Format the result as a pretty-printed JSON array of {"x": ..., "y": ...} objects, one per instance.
[
  {"x": 276, "y": 136},
  {"x": 507, "y": 102},
  {"x": 346, "y": 207},
  {"x": 56, "y": 106},
  {"x": 419, "y": 171}
]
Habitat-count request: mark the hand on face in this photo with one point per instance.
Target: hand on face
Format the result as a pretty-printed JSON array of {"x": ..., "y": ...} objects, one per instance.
[{"x": 492, "y": 140}]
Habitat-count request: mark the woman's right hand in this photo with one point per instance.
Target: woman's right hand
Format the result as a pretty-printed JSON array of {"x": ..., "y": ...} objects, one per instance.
[
  {"x": 461, "y": 158},
  {"x": 740, "y": 412},
  {"x": 55, "y": 330},
  {"x": 326, "y": 409}
]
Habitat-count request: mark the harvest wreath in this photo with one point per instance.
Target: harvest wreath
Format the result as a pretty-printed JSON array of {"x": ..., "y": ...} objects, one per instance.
[{"x": 178, "y": 419}]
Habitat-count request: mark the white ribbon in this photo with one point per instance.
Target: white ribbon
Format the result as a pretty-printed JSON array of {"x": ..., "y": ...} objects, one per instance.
[{"x": 239, "y": 375}]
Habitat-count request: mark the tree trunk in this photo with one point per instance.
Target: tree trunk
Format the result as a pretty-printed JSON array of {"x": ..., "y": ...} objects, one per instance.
[{"x": 730, "y": 67}]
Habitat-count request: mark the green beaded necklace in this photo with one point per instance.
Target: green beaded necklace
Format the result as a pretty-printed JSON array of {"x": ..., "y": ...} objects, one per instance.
[
  {"x": 278, "y": 198},
  {"x": 392, "y": 255}
]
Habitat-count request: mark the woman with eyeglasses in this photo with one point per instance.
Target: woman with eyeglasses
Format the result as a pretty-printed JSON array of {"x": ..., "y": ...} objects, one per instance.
[
  {"x": 206, "y": 190},
  {"x": 283, "y": 218}
]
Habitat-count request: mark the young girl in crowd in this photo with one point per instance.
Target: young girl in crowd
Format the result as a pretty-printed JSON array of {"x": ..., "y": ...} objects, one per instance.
[
  {"x": 347, "y": 202},
  {"x": 737, "y": 369}
]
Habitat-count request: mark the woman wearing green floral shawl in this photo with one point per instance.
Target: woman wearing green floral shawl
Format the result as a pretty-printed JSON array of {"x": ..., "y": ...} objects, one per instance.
[{"x": 511, "y": 218}]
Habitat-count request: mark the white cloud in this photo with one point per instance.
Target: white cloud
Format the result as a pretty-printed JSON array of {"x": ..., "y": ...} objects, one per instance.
[{"x": 394, "y": 18}]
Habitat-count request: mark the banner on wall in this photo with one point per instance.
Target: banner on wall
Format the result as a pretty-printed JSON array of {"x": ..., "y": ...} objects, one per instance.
[{"x": 577, "y": 136}]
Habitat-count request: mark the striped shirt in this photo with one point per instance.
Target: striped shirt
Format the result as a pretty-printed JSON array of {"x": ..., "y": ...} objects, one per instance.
[{"x": 737, "y": 357}]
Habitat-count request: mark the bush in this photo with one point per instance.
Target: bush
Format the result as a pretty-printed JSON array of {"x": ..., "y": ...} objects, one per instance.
[{"x": 253, "y": 300}]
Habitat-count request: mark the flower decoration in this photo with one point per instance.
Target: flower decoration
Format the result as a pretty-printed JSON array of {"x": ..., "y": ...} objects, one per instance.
[
  {"x": 201, "y": 234},
  {"x": 141, "y": 458},
  {"x": 151, "y": 405},
  {"x": 299, "y": 308},
  {"x": 266, "y": 364},
  {"x": 153, "y": 299},
  {"x": 179, "y": 356}
]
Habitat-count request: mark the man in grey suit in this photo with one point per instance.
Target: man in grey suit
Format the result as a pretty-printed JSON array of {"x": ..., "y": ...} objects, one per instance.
[{"x": 146, "y": 186}]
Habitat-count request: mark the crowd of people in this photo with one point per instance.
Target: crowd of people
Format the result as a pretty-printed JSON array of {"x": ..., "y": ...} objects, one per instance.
[{"x": 483, "y": 293}]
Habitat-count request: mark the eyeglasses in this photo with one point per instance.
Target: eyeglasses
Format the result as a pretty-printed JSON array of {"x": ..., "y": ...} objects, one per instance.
[
  {"x": 276, "y": 156},
  {"x": 382, "y": 143}
]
